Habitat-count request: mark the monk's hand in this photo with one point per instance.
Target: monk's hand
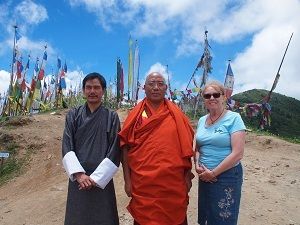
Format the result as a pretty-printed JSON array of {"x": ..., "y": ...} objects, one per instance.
[
  {"x": 207, "y": 175},
  {"x": 188, "y": 179},
  {"x": 127, "y": 188},
  {"x": 84, "y": 181}
]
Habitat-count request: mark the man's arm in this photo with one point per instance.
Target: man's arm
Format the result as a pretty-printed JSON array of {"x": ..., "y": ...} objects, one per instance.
[
  {"x": 109, "y": 166},
  {"x": 114, "y": 152},
  {"x": 126, "y": 171},
  {"x": 188, "y": 178},
  {"x": 70, "y": 160}
]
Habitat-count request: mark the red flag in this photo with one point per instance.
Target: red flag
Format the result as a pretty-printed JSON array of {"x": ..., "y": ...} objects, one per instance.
[
  {"x": 33, "y": 83},
  {"x": 19, "y": 69},
  {"x": 23, "y": 85},
  {"x": 41, "y": 74}
]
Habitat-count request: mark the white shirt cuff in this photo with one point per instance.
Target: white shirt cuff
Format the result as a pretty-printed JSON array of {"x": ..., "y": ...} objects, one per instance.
[
  {"x": 104, "y": 173},
  {"x": 72, "y": 165}
]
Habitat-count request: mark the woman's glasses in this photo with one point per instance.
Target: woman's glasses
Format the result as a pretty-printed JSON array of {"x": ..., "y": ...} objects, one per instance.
[{"x": 215, "y": 95}]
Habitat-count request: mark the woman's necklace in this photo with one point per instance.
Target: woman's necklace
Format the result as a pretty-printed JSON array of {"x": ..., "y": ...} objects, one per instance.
[{"x": 213, "y": 121}]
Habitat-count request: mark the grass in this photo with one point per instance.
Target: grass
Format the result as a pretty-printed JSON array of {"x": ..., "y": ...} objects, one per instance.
[
  {"x": 10, "y": 167},
  {"x": 13, "y": 166}
]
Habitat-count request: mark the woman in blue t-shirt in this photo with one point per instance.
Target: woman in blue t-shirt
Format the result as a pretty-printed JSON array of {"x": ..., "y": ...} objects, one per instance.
[{"x": 220, "y": 140}]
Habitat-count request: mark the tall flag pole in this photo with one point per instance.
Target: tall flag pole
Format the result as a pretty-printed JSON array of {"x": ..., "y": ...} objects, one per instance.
[
  {"x": 130, "y": 67},
  {"x": 205, "y": 62},
  {"x": 10, "y": 89},
  {"x": 23, "y": 86},
  {"x": 13, "y": 61},
  {"x": 136, "y": 71},
  {"x": 57, "y": 82},
  {"x": 266, "y": 107},
  {"x": 278, "y": 75},
  {"x": 169, "y": 84},
  {"x": 17, "y": 92},
  {"x": 120, "y": 81},
  {"x": 41, "y": 73}
]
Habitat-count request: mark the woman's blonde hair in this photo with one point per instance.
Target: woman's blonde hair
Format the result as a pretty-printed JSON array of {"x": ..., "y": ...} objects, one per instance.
[{"x": 216, "y": 85}]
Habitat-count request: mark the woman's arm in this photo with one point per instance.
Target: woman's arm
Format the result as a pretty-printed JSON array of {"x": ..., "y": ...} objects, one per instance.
[{"x": 199, "y": 169}]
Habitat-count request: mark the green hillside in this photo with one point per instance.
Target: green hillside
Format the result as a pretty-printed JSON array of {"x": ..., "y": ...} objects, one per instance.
[{"x": 285, "y": 113}]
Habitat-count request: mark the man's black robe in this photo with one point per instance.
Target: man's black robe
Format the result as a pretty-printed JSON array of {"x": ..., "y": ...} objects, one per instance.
[{"x": 93, "y": 137}]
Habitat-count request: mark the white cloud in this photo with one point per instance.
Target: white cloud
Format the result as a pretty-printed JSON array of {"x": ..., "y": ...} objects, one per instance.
[
  {"x": 30, "y": 12},
  {"x": 74, "y": 79},
  {"x": 4, "y": 81},
  {"x": 160, "y": 68},
  {"x": 257, "y": 65},
  {"x": 4, "y": 9}
]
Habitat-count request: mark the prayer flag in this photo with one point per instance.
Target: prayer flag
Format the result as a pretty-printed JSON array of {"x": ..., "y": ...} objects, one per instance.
[
  {"x": 18, "y": 36},
  {"x": 45, "y": 56},
  {"x": 130, "y": 65},
  {"x": 58, "y": 63},
  {"x": 65, "y": 67},
  {"x": 136, "y": 68},
  {"x": 41, "y": 74}
]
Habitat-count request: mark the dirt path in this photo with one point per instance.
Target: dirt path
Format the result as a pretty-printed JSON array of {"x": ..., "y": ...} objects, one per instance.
[{"x": 271, "y": 190}]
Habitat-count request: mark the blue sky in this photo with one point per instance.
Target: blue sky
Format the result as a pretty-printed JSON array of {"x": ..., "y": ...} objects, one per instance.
[{"x": 91, "y": 35}]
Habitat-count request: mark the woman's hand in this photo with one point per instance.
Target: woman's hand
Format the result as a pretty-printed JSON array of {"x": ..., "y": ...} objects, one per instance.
[
  {"x": 199, "y": 168},
  {"x": 207, "y": 175}
]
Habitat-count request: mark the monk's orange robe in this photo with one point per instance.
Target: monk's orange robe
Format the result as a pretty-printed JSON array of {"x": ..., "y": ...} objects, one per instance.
[{"x": 160, "y": 148}]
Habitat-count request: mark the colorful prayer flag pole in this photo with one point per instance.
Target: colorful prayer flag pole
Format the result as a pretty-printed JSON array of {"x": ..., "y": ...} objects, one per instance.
[
  {"x": 8, "y": 104},
  {"x": 130, "y": 67},
  {"x": 136, "y": 70},
  {"x": 278, "y": 74}
]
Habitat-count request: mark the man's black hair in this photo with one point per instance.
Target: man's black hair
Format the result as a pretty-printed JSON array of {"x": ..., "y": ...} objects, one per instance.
[{"x": 94, "y": 75}]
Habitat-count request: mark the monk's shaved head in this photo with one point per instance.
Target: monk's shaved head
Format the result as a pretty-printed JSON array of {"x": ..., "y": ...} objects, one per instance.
[
  {"x": 155, "y": 88},
  {"x": 154, "y": 74}
]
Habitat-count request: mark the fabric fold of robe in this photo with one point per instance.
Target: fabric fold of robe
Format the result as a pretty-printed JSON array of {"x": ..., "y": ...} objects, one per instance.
[{"x": 159, "y": 155}]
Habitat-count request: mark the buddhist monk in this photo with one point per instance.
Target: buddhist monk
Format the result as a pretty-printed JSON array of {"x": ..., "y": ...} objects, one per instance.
[{"x": 156, "y": 142}]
